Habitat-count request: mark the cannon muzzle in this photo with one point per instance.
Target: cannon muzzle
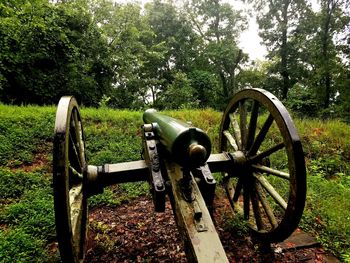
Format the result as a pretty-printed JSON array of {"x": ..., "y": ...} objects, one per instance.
[{"x": 187, "y": 145}]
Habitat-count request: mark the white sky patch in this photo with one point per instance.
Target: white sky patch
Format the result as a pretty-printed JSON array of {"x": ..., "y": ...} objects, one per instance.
[{"x": 250, "y": 41}]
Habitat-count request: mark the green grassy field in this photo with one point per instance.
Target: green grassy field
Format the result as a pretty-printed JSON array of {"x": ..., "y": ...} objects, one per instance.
[{"x": 26, "y": 204}]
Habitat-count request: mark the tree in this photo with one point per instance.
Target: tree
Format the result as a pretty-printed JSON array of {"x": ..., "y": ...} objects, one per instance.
[
  {"x": 171, "y": 27},
  {"x": 331, "y": 21},
  {"x": 136, "y": 54},
  {"x": 179, "y": 94},
  {"x": 281, "y": 24},
  {"x": 219, "y": 27},
  {"x": 207, "y": 87},
  {"x": 50, "y": 50}
]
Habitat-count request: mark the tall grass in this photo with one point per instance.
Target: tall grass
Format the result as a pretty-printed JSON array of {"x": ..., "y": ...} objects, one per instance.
[{"x": 26, "y": 208}]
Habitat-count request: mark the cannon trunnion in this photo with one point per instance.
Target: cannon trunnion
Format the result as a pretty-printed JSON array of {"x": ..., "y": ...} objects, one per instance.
[{"x": 260, "y": 164}]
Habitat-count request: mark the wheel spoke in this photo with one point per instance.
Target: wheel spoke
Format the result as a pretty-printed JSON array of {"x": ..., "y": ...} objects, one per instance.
[
  {"x": 256, "y": 208},
  {"x": 230, "y": 139},
  {"x": 238, "y": 191},
  {"x": 232, "y": 192},
  {"x": 246, "y": 201},
  {"x": 265, "y": 169},
  {"x": 271, "y": 190},
  {"x": 76, "y": 199},
  {"x": 252, "y": 123},
  {"x": 260, "y": 156},
  {"x": 261, "y": 136},
  {"x": 73, "y": 131},
  {"x": 236, "y": 130},
  {"x": 271, "y": 217},
  {"x": 78, "y": 134},
  {"x": 243, "y": 123},
  {"x": 74, "y": 195},
  {"x": 74, "y": 154},
  {"x": 75, "y": 173},
  {"x": 269, "y": 196}
]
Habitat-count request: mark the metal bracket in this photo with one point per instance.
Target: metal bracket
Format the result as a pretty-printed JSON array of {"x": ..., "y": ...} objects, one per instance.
[
  {"x": 156, "y": 180},
  {"x": 198, "y": 218},
  {"x": 185, "y": 184},
  {"x": 206, "y": 184},
  {"x": 202, "y": 243}
]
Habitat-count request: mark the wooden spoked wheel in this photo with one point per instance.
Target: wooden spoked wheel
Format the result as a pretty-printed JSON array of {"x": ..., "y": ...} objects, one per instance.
[
  {"x": 267, "y": 183},
  {"x": 69, "y": 164}
]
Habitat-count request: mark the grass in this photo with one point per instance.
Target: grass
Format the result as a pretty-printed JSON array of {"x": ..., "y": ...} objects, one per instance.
[
  {"x": 26, "y": 218},
  {"x": 26, "y": 206}
]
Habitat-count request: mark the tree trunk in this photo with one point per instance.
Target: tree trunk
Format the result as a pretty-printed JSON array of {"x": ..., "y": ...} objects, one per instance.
[
  {"x": 325, "y": 56},
  {"x": 284, "y": 52},
  {"x": 224, "y": 85}
]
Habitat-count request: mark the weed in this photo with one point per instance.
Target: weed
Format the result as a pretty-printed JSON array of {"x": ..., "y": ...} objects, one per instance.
[
  {"x": 235, "y": 224},
  {"x": 108, "y": 198},
  {"x": 133, "y": 190},
  {"x": 115, "y": 195},
  {"x": 327, "y": 214},
  {"x": 105, "y": 243}
]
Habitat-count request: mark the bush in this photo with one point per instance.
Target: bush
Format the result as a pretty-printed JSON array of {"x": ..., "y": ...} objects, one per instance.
[{"x": 302, "y": 101}]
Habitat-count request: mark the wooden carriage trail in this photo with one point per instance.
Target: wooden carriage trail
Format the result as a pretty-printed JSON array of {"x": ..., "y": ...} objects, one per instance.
[{"x": 263, "y": 177}]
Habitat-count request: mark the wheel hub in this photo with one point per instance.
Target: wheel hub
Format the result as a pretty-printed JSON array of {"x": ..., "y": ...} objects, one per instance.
[{"x": 240, "y": 161}]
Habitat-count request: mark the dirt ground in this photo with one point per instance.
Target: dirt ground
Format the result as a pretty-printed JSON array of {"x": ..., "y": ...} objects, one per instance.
[{"x": 133, "y": 232}]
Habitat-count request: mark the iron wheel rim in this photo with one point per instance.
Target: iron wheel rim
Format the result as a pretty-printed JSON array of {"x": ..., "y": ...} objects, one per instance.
[
  {"x": 69, "y": 181},
  {"x": 252, "y": 186}
]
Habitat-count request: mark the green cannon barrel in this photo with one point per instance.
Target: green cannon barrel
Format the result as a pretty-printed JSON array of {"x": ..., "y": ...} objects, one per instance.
[{"x": 187, "y": 145}]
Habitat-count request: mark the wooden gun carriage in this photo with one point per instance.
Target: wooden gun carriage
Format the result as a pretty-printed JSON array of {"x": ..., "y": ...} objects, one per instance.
[{"x": 260, "y": 161}]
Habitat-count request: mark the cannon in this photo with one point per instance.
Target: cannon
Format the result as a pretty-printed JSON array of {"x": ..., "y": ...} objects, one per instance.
[{"x": 259, "y": 163}]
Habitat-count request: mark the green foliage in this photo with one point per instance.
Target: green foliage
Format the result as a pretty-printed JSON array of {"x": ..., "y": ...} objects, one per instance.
[
  {"x": 328, "y": 212},
  {"x": 49, "y": 50},
  {"x": 116, "y": 195},
  {"x": 24, "y": 131},
  {"x": 34, "y": 214},
  {"x": 179, "y": 94},
  {"x": 235, "y": 224},
  {"x": 13, "y": 184},
  {"x": 282, "y": 27},
  {"x": 126, "y": 56},
  {"x": 305, "y": 48},
  {"x": 303, "y": 101},
  {"x": 111, "y": 135},
  {"x": 133, "y": 190},
  {"x": 107, "y": 198},
  {"x": 19, "y": 246},
  {"x": 207, "y": 88},
  {"x": 327, "y": 150},
  {"x": 219, "y": 26}
]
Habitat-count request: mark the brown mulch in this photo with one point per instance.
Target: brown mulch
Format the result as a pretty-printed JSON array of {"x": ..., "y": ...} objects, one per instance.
[{"x": 133, "y": 232}]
